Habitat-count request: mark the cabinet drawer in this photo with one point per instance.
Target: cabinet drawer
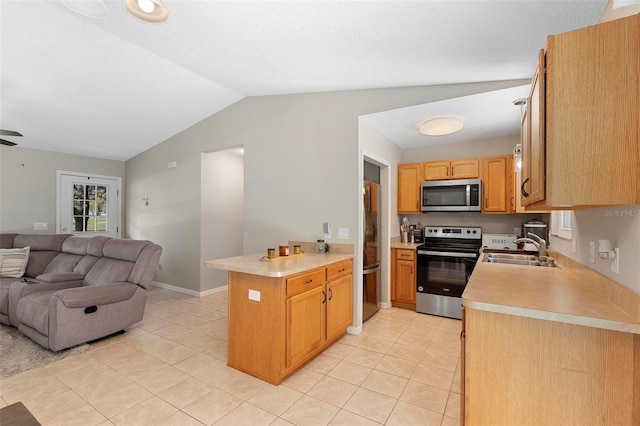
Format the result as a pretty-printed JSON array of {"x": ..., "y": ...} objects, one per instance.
[
  {"x": 406, "y": 254},
  {"x": 339, "y": 269},
  {"x": 305, "y": 281}
]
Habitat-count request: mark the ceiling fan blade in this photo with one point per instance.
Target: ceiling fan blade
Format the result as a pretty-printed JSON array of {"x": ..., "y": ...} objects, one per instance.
[
  {"x": 9, "y": 133},
  {"x": 7, "y": 143}
]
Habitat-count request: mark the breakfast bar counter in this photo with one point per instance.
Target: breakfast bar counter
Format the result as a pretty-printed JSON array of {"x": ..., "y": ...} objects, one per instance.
[{"x": 285, "y": 311}]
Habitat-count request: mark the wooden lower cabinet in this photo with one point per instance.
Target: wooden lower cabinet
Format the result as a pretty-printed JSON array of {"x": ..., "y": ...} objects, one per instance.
[
  {"x": 526, "y": 371},
  {"x": 403, "y": 278},
  {"x": 306, "y": 324},
  {"x": 295, "y": 319}
]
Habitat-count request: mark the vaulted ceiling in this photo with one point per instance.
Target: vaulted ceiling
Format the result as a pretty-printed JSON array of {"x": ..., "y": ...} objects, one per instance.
[{"x": 103, "y": 84}]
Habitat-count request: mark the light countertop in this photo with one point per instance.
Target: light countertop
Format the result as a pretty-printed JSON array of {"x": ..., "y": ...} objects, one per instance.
[
  {"x": 396, "y": 244},
  {"x": 554, "y": 294},
  {"x": 251, "y": 264}
]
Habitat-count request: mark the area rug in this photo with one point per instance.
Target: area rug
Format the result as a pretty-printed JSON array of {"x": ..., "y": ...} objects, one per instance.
[{"x": 18, "y": 353}]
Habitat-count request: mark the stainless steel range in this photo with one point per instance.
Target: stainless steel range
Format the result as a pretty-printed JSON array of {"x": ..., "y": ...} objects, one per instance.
[{"x": 445, "y": 262}]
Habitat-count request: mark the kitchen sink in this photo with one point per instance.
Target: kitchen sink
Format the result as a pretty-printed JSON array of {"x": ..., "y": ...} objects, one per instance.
[
  {"x": 518, "y": 259},
  {"x": 509, "y": 256}
]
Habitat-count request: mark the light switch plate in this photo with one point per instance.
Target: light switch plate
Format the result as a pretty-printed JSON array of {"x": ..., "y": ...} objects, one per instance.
[
  {"x": 615, "y": 265},
  {"x": 592, "y": 251},
  {"x": 343, "y": 233},
  {"x": 574, "y": 243},
  {"x": 40, "y": 226}
]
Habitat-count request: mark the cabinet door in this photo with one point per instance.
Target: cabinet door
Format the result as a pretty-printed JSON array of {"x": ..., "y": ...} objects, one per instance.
[
  {"x": 465, "y": 169},
  {"x": 405, "y": 281},
  {"x": 305, "y": 324},
  {"x": 494, "y": 184},
  {"x": 338, "y": 306},
  {"x": 436, "y": 170},
  {"x": 533, "y": 150},
  {"x": 409, "y": 179}
]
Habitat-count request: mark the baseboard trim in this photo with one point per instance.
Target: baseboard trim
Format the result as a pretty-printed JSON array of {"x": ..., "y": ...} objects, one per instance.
[
  {"x": 188, "y": 292},
  {"x": 354, "y": 330}
]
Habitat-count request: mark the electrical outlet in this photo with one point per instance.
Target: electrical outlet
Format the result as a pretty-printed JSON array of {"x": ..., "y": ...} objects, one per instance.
[
  {"x": 615, "y": 265},
  {"x": 592, "y": 251},
  {"x": 40, "y": 226},
  {"x": 574, "y": 243},
  {"x": 254, "y": 295}
]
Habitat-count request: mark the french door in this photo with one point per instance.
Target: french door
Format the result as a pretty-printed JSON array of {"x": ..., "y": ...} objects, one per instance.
[{"x": 88, "y": 204}]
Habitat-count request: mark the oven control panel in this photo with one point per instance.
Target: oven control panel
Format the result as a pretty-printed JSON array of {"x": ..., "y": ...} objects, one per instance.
[{"x": 472, "y": 233}]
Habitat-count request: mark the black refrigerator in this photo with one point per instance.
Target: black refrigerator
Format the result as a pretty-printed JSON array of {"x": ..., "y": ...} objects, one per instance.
[{"x": 371, "y": 254}]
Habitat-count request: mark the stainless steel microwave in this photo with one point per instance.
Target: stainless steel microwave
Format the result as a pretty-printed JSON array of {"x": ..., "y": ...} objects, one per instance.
[{"x": 461, "y": 195}]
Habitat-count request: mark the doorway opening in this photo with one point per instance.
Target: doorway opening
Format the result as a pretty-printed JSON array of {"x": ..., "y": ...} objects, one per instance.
[{"x": 222, "y": 212}]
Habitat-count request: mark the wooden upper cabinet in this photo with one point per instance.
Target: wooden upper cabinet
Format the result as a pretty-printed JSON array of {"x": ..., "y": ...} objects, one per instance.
[
  {"x": 409, "y": 179},
  {"x": 454, "y": 169},
  {"x": 497, "y": 185},
  {"x": 591, "y": 111},
  {"x": 532, "y": 186}
]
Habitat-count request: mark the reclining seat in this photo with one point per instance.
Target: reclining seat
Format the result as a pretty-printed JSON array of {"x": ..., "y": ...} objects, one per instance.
[
  {"x": 111, "y": 297},
  {"x": 66, "y": 270},
  {"x": 43, "y": 249}
]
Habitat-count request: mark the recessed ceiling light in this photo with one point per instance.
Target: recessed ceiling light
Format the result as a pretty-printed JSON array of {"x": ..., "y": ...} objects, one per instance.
[
  {"x": 441, "y": 126},
  {"x": 152, "y": 11}
]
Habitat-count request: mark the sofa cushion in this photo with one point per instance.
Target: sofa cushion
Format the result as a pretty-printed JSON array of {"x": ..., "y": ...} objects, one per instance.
[
  {"x": 107, "y": 270},
  {"x": 13, "y": 262},
  {"x": 96, "y": 245},
  {"x": 6, "y": 240},
  {"x": 33, "y": 310},
  {"x": 41, "y": 242},
  {"x": 124, "y": 249},
  {"x": 76, "y": 245}
]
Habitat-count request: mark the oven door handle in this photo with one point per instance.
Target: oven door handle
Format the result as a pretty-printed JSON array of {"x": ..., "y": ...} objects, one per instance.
[{"x": 448, "y": 254}]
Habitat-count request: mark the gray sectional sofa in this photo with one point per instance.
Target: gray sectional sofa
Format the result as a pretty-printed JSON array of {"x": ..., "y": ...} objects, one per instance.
[{"x": 76, "y": 289}]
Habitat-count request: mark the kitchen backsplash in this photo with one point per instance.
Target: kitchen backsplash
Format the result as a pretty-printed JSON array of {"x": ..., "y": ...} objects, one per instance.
[{"x": 490, "y": 223}]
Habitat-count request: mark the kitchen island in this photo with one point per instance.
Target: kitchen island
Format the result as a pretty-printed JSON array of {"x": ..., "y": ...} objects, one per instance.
[
  {"x": 549, "y": 346},
  {"x": 284, "y": 312}
]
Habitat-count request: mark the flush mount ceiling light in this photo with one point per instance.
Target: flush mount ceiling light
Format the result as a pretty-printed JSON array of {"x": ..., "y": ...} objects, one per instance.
[
  {"x": 441, "y": 126},
  {"x": 152, "y": 11}
]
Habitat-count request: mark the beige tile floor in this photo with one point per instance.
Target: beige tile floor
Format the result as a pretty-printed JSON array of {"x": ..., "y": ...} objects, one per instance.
[{"x": 170, "y": 369}]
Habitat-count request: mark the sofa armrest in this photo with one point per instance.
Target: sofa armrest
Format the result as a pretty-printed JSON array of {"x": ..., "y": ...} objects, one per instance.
[
  {"x": 82, "y": 297},
  {"x": 55, "y": 277}
]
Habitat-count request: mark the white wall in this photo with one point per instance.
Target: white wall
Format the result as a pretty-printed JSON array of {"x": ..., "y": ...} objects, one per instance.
[
  {"x": 301, "y": 169},
  {"x": 28, "y": 193},
  {"x": 618, "y": 223},
  {"x": 222, "y": 209}
]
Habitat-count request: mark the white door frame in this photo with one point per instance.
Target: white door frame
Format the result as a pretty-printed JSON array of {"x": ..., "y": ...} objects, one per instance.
[{"x": 60, "y": 173}]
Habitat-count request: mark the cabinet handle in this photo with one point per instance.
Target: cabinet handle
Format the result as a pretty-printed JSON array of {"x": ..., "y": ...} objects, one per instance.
[
  {"x": 341, "y": 270},
  {"x": 324, "y": 297},
  {"x": 417, "y": 204},
  {"x": 309, "y": 281},
  {"x": 485, "y": 203},
  {"x": 330, "y": 294},
  {"x": 525, "y": 194},
  {"x": 447, "y": 172},
  {"x": 511, "y": 201}
]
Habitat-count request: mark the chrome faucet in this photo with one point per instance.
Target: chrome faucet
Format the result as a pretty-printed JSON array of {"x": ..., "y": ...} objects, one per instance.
[{"x": 540, "y": 243}]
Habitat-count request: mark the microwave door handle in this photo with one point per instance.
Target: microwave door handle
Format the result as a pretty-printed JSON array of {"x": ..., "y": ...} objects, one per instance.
[{"x": 468, "y": 194}]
